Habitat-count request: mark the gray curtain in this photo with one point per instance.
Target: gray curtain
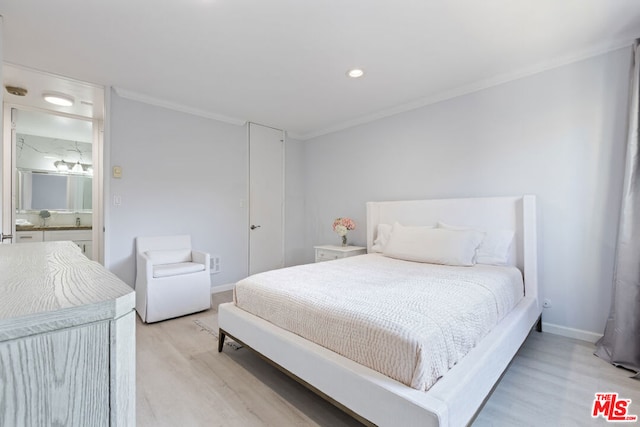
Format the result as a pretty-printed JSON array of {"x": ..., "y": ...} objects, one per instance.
[{"x": 620, "y": 344}]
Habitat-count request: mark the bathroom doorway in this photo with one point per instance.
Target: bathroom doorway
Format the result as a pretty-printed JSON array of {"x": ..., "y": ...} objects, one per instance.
[{"x": 52, "y": 161}]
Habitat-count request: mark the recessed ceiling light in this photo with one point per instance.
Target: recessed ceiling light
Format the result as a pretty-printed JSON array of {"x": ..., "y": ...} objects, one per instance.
[
  {"x": 58, "y": 99},
  {"x": 355, "y": 73}
]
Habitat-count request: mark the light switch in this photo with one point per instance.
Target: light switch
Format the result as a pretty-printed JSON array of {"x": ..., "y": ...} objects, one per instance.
[
  {"x": 117, "y": 200},
  {"x": 117, "y": 172}
]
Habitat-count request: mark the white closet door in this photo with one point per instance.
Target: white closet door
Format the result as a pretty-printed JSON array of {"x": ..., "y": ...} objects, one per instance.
[{"x": 266, "y": 198}]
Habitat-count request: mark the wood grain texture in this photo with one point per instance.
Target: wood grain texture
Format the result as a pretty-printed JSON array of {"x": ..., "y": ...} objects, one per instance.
[
  {"x": 48, "y": 286},
  {"x": 183, "y": 380},
  {"x": 57, "y": 379},
  {"x": 123, "y": 370},
  {"x": 67, "y": 339}
]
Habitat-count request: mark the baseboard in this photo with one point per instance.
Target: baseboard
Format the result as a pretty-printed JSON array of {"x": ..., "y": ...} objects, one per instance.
[
  {"x": 222, "y": 288},
  {"x": 564, "y": 331}
]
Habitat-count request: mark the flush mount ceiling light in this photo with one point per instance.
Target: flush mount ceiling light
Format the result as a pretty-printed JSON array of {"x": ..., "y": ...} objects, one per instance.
[
  {"x": 58, "y": 99},
  {"x": 15, "y": 90},
  {"x": 354, "y": 73}
]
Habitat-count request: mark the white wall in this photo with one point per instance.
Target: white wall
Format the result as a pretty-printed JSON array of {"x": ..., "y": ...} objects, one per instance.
[
  {"x": 187, "y": 174},
  {"x": 295, "y": 227},
  {"x": 181, "y": 174},
  {"x": 558, "y": 134}
]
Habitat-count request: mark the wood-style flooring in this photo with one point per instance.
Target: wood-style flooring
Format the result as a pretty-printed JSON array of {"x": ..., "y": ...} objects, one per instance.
[{"x": 182, "y": 380}]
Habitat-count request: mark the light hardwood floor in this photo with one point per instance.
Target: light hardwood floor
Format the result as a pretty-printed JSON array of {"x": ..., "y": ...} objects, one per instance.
[{"x": 182, "y": 380}]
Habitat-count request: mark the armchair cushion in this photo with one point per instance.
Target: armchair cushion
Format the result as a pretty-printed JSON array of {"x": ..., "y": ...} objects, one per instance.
[
  {"x": 171, "y": 256},
  {"x": 175, "y": 269}
]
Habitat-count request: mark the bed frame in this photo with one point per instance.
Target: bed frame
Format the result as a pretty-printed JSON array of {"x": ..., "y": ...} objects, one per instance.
[{"x": 376, "y": 399}]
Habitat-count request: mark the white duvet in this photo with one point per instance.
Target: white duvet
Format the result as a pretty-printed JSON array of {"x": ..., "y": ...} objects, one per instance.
[{"x": 409, "y": 321}]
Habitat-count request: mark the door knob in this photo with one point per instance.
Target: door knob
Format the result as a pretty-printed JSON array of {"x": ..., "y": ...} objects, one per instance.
[
  {"x": 253, "y": 227},
  {"x": 4, "y": 237}
]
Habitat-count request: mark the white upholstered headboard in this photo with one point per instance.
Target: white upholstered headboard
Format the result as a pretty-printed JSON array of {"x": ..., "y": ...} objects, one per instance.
[{"x": 490, "y": 213}]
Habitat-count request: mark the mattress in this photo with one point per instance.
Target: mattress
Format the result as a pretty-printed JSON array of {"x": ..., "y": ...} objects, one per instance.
[{"x": 409, "y": 321}]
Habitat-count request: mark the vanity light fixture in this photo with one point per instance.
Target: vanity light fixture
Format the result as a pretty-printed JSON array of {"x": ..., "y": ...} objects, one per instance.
[
  {"x": 77, "y": 167},
  {"x": 62, "y": 166},
  {"x": 355, "y": 73},
  {"x": 58, "y": 99}
]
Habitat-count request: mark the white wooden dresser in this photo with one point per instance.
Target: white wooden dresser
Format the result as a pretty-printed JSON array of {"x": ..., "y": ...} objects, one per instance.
[{"x": 67, "y": 339}]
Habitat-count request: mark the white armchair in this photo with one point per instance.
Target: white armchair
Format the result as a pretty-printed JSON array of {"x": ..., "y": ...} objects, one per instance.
[{"x": 171, "y": 279}]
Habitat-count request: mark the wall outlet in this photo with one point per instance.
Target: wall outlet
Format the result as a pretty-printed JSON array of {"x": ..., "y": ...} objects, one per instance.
[
  {"x": 214, "y": 264},
  {"x": 547, "y": 303}
]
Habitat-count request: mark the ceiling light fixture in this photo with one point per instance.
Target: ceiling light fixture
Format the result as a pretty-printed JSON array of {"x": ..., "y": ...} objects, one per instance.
[
  {"x": 77, "y": 167},
  {"x": 62, "y": 166},
  {"x": 16, "y": 90},
  {"x": 355, "y": 73},
  {"x": 58, "y": 99}
]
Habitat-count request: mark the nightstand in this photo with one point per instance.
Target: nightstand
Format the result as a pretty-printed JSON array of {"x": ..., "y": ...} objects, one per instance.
[{"x": 331, "y": 252}]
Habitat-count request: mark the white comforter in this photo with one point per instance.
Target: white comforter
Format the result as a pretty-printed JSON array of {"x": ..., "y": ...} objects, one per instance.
[{"x": 410, "y": 321}]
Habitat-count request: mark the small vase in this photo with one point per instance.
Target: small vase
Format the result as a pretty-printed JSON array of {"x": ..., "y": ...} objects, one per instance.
[{"x": 344, "y": 240}]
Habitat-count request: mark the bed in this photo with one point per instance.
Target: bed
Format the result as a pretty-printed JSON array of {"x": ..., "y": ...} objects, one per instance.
[{"x": 456, "y": 395}]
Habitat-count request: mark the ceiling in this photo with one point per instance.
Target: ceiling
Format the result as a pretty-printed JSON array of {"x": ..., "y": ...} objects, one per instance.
[{"x": 282, "y": 63}]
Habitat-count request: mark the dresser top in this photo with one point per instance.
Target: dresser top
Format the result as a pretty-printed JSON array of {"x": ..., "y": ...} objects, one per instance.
[{"x": 56, "y": 277}]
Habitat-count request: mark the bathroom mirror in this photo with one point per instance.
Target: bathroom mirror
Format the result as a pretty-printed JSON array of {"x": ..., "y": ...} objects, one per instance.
[
  {"x": 53, "y": 162},
  {"x": 49, "y": 190}
]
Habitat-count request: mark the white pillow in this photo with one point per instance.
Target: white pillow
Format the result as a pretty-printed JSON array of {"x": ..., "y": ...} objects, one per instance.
[
  {"x": 172, "y": 256},
  {"x": 495, "y": 247},
  {"x": 384, "y": 232},
  {"x": 382, "y": 237},
  {"x": 433, "y": 245}
]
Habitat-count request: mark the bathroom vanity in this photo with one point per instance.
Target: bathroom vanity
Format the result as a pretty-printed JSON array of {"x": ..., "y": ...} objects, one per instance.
[
  {"x": 80, "y": 235},
  {"x": 67, "y": 339}
]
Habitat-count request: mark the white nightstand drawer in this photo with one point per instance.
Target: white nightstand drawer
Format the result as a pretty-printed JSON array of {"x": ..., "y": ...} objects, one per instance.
[
  {"x": 330, "y": 252},
  {"x": 326, "y": 255}
]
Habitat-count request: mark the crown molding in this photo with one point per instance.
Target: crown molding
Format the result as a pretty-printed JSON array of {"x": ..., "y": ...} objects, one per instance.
[
  {"x": 135, "y": 96},
  {"x": 471, "y": 88}
]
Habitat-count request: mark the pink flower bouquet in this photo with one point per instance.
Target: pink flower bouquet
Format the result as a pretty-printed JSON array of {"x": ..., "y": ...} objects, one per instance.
[{"x": 342, "y": 226}]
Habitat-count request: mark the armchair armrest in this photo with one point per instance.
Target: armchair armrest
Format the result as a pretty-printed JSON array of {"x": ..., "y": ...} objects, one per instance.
[
  {"x": 144, "y": 267},
  {"x": 201, "y": 258}
]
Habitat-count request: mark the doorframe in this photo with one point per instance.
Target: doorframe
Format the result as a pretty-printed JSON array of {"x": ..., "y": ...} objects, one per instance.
[
  {"x": 284, "y": 198},
  {"x": 9, "y": 172},
  {"x": 8, "y": 217}
]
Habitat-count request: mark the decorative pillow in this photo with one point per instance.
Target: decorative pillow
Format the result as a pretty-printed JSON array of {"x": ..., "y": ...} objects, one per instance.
[
  {"x": 433, "y": 245},
  {"x": 494, "y": 249},
  {"x": 382, "y": 237},
  {"x": 384, "y": 232},
  {"x": 172, "y": 256}
]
